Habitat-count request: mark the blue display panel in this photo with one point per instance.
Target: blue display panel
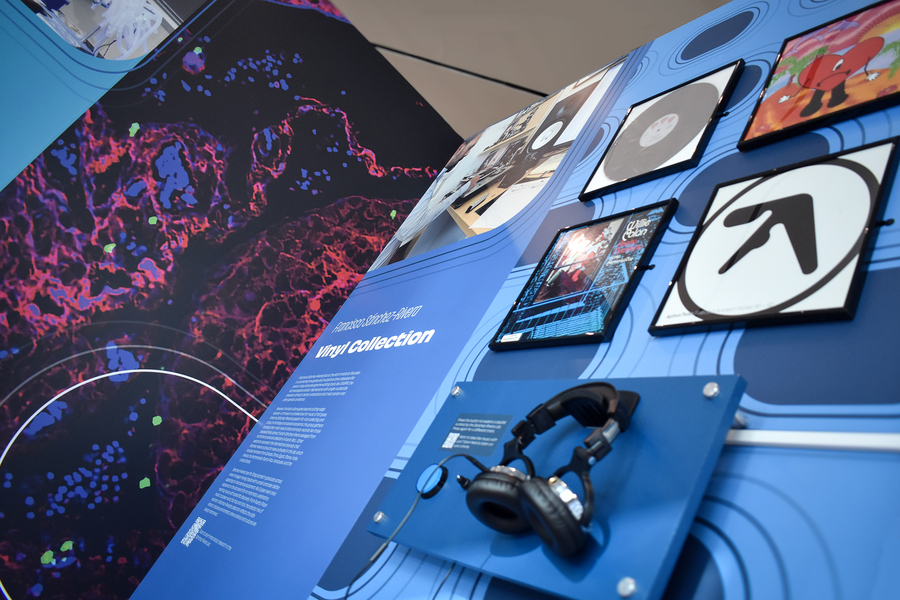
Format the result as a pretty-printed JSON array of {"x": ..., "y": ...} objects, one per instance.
[
  {"x": 645, "y": 491},
  {"x": 813, "y": 377},
  {"x": 781, "y": 523}
]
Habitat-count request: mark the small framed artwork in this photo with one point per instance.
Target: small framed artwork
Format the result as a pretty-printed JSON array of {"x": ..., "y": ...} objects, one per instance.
[
  {"x": 581, "y": 286},
  {"x": 663, "y": 134},
  {"x": 836, "y": 71},
  {"x": 785, "y": 246}
]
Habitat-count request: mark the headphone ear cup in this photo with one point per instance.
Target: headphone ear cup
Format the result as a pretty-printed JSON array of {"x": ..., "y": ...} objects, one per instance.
[
  {"x": 493, "y": 499},
  {"x": 551, "y": 518}
]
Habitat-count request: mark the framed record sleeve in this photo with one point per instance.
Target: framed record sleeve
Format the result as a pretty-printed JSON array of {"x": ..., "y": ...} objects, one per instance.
[
  {"x": 833, "y": 72},
  {"x": 785, "y": 246},
  {"x": 580, "y": 287},
  {"x": 663, "y": 134}
]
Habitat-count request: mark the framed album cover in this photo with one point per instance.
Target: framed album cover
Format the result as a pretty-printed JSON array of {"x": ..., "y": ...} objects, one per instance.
[
  {"x": 836, "y": 71},
  {"x": 580, "y": 287},
  {"x": 785, "y": 246},
  {"x": 663, "y": 134}
]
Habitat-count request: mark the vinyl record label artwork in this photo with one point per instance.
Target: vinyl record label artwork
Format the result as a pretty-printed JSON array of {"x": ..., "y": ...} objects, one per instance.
[
  {"x": 834, "y": 72},
  {"x": 583, "y": 282},
  {"x": 558, "y": 119},
  {"x": 663, "y": 134},
  {"x": 783, "y": 247}
]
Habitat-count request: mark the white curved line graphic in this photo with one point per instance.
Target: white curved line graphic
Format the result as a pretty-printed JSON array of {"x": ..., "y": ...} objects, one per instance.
[
  {"x": 104, "y": 376},
  {"x": 143, "y": 346}
]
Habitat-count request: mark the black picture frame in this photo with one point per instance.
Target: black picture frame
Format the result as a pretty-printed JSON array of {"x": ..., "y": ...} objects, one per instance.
[
  {"x": 665, "y": 133},
  {"x": 803, "y": 259},
  {"x": 585, "y": 279},
  {"x": 817, "y": 93}
]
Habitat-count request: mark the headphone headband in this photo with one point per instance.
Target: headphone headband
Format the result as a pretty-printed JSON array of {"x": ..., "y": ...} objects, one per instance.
[
  {"x": 509, "y": 501},
  {"x": 596, "y": 404},
  {"x": 590, "y": 404}
]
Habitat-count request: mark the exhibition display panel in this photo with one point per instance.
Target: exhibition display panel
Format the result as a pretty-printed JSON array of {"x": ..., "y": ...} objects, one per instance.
[{"x": 636, "y": 340}]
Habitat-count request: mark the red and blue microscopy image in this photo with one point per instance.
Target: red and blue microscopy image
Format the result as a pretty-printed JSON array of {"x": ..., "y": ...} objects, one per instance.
[{"x": 169, "y": 260}]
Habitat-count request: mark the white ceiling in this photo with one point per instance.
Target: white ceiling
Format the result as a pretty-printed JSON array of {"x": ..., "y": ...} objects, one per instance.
[{"x": 539, "y": 45}]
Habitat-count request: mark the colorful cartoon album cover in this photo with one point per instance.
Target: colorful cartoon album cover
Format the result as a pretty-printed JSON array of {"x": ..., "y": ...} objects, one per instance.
[
  {"x": 836, "y": 71},
  {"x": 583, "y": 282},
  {"x": 782, "y": 247}
]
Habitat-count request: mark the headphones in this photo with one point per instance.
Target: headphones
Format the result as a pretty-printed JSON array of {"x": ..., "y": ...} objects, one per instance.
[{"x": 511, "y": 501}]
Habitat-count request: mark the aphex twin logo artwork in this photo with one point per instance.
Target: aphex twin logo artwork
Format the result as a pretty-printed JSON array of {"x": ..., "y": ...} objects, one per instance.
[{"x": 781, "y": 244}]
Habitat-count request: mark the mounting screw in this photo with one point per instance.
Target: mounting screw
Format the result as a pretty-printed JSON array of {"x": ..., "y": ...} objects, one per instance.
[
  {"x": 456, "y": 391},
  {"x": 379, "y": 517},
  {"x": 711, "y": 390},
  {"x": 626, "y": 587}
]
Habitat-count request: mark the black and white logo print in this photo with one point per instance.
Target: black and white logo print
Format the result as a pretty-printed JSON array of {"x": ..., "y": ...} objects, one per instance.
[{"x": 784, "y": 243}]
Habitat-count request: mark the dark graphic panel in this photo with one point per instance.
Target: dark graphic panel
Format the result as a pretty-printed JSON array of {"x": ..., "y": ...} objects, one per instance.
[{"x": 169, "y": 260}]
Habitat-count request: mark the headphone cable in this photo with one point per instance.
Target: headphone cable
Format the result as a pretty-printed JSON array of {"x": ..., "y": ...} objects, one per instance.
[
  {"x": 406, "y": 517},
  {"x": 443, "y": 581}
]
